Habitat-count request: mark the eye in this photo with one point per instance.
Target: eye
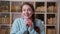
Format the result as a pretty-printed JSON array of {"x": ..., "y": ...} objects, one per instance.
[{"x": 29, "y": 9}]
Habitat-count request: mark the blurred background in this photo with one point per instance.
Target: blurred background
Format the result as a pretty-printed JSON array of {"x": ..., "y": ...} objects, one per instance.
[{"x": 46, "y": 10}]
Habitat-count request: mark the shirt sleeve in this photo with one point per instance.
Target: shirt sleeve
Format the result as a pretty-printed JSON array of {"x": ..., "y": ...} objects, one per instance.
[
  {"x": 15, "y": 28},
  {"x": 32, "y": 30},
  {"x": 41, "y": 26}
]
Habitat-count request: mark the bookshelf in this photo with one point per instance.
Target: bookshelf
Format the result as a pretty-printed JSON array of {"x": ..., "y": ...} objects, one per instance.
[
  {"x": 44, "y": 10},
  {"x": 4, "y": 17},
  {"x": 16, "y": 6},
  {"x": 4, "y": 6},
  {"x": 40, "y": 7}
]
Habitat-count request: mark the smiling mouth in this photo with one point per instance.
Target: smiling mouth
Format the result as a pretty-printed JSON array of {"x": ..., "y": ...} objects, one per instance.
[{"x": 27, "y": 15}]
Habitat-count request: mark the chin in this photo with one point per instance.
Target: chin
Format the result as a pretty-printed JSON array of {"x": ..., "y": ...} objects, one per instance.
[{"x": 27, "y": 17}]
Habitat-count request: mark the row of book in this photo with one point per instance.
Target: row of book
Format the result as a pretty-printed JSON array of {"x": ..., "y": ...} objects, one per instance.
[
  {"x": 52, "y": 9},
  {"x": 51, "y": 21},
  {"x": 4, "y": 20},
  {"x": 51, "y": 30},
  {"x": 16, "y": 6},
  {"x": 49, "y": 9},
  {"x": 41, "y": 8}
]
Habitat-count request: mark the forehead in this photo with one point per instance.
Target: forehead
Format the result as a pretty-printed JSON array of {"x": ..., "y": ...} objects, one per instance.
[{"x": 26, "y": 6}]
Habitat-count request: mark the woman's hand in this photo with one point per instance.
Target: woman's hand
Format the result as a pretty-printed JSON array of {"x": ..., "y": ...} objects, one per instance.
[{"x": 28, "y": 22}]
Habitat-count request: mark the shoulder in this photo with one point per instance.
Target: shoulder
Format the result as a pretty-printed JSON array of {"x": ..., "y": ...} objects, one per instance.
[
  {"x": 38, "y": 20},
  {"x": 18, "y": 19}
]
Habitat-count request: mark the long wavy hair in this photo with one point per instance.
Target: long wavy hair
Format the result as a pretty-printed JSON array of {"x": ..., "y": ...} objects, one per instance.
[{"x": 33, "y": 16}]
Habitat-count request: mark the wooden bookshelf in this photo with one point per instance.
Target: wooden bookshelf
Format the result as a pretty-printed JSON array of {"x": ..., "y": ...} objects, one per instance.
[
  {"x": 4, "y": 18},
  {"x": 4, "y": 6},
  {"x": 51, "y": 19},
  {"x": 16, "y": 6},
  {"x": 51, "y": 7},
  {"x": 40, "y": 7}
]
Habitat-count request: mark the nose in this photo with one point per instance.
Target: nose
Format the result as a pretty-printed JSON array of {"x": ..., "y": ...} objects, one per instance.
[{"x": 26, "y": 11}]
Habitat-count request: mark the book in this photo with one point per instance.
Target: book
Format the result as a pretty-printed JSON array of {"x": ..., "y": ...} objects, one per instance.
[
  {"x": 13, "y": 8},
  {"x": 49, "y": 31},
  {"x": 7, "y": 31},
  {"x": 6, "y": 20},
  {"x": 0, "y": 20},
  {"x": 53, "y": 31},
  {"x": 54, "y": 20},
  {"x": 40, "y": 8},
  {"x": 50, "y": 8},
  {"x": 2, "y": 31},
  {"x": 50, "y": 20}
]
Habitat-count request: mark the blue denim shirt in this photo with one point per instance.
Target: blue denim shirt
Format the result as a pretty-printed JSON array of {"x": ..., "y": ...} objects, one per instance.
[{"x": 18, "y": 27}]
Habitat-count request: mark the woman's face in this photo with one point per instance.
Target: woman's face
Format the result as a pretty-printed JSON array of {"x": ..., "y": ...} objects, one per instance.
[{"x": 27, "y": 11}]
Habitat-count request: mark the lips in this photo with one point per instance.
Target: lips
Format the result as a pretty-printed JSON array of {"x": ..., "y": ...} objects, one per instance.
[{"x": 27, "y": 15}]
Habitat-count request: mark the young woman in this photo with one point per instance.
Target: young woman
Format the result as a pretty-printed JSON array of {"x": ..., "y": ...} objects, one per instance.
[{"x": 27, "y": 24}]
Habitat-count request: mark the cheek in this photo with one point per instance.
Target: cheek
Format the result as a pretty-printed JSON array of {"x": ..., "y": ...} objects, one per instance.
[
  {"x": 23, "y": 13},
  {"x": 30, "y": 13}
]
